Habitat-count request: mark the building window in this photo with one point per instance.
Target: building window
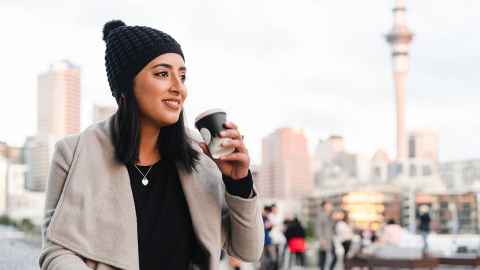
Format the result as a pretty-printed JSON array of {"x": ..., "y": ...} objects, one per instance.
[
  {"x": 468, "y": 175},
  {"x": 426, "y": 170},
  {"x": 394, "y": 170},
  {"x": 476, "y": 173},
  {"x": 449, "y": 180},
  {"x": 399, "y": 168},
  {"x": 411, "y": 147},
  {"x": 413, "y": 170}
]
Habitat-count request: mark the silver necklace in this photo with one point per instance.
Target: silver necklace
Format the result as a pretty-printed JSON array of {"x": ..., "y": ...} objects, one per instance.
[{"x": 144, "y": 179}]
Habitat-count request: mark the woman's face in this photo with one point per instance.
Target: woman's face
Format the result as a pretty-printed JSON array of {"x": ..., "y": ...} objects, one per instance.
[{"x": 160, "y": 89}]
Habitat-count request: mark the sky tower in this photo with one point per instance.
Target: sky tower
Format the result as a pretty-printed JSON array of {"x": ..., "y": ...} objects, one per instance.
[{"x": 399, "y": 38}]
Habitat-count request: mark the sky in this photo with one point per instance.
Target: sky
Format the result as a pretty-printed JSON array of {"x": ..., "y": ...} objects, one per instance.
[{"x": 322, "y": 66}]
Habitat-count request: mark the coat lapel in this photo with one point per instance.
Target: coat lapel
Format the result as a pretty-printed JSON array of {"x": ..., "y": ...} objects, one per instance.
[{"x": 205, "y": 212}]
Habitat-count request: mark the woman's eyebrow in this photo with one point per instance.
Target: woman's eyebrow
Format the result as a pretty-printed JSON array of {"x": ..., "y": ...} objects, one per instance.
[{"x": 182, "y": 68}]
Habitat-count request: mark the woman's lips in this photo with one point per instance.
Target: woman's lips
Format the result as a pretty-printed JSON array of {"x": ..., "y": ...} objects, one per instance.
[{"x": 172, "y": 104}]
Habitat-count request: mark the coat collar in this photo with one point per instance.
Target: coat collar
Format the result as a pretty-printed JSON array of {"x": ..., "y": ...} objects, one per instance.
[{"x": 95, "y": 216}]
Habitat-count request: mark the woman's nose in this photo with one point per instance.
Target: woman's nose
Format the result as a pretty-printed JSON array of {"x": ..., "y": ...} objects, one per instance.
[{"x": 177, "y": 85}]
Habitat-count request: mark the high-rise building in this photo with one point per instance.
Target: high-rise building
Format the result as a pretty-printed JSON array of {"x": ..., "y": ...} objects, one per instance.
[
  {"x": 379, "y": 166},
  {"x": 285, "y": 169},
  {"x": 461, "y": 175},
  {"x": 101, "y": 112},
  {"x": 327, "y": 150},
  {"x": 15, "y": 200},
  {"x": 58, "y": 116},
  {"x": 322, "y": 155},
  {"x": 399, "y": 38},
  {"x": 423, "y": 144},
  {"x": 12, "y": 175},
  {"x": 38, "y": 153},
  {"x": 334, "y": 166},
  {"x": 336, "y": 143},
  {"x": 59, "y": 99}
]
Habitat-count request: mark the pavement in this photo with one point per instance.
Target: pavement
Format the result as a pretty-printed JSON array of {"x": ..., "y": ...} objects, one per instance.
[{"x": 19, "y": 252}]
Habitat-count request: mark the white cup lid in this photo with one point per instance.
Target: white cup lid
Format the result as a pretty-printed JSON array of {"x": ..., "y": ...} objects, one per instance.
[{"x": 208, "y": 112}]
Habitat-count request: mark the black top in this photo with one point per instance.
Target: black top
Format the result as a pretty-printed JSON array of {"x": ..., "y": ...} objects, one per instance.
[
  {"x": 166, "y": 239},
  {"x": 294, "y": 229},
  {"x": 424, "y": 222}
]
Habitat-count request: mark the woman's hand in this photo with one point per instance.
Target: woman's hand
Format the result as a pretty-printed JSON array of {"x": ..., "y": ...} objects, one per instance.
[{"x": 236, "y": 164}]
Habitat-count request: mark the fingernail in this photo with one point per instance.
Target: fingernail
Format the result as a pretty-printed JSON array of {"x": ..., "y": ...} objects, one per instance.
[{"x": 222, "y": 133}]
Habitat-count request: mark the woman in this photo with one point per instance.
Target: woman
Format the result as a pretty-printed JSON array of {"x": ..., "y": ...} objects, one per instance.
[
  {"x": 424, "y": 221},
  {"x": 295, "y": 235},
  {"x": 136, "y": 192},
  {"x": 392, "y": 233},
  {"x": 344, "y": 232}
]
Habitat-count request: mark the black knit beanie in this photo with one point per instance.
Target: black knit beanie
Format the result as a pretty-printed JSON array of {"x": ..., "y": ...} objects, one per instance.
[{"x": 129, "y": 49}]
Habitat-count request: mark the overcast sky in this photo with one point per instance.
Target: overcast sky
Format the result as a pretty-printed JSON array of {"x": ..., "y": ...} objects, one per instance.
[{"x": 319, "y": 65}]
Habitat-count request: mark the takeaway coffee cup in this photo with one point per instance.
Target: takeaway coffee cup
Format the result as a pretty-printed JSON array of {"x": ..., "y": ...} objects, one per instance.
[{"x": 210, "y": 124}]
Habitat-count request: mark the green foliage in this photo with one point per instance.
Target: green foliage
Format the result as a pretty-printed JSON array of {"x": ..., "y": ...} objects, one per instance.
[
  {"x": 310, "y": 230},
  {"x": 6, "y": 220},
  {"x": 25, "y": 224}
]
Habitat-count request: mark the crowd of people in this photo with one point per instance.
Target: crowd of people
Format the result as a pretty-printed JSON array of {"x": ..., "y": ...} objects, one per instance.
[
  {"x": 333, "y": 238},
  {"x": 332, "y": 228},
  {"x": 285, "y": 241}
]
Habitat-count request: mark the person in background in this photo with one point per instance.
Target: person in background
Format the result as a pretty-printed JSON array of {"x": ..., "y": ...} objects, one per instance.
[
  {"x": 266, "y": 261},
  {"x": 276, "y": 235},
  {"x": 424, "y": 225},
  {"x": 286, "y": 222},
  {"x": 391, "y": 233},
  {"x": 295, "y": 235},
  {"x": 368, "y": 235},
  {"x": 343, "y": 232},
  {"x": 267, "y": 225},
  {"x": 324, "y": 234}
]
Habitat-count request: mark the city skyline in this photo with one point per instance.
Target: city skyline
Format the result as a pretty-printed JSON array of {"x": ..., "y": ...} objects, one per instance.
[{"x": 344, "y": 85}]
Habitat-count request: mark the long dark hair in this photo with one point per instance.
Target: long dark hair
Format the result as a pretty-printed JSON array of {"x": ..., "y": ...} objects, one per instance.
[{"x": 174, "y": 144}]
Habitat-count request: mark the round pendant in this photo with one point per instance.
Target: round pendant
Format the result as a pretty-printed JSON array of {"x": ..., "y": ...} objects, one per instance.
[{"x": 145, "y": 181}]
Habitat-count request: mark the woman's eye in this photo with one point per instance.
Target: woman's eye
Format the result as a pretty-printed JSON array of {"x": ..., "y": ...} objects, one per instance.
[
  {"x": 183, "y": 77},
  {"x": 162, "y": 74}
]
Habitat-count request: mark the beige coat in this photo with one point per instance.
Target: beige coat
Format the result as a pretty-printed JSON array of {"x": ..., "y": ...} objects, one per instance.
[
  {"x": 324, "y": 230},
  {"x": 90, "y": 212}
]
